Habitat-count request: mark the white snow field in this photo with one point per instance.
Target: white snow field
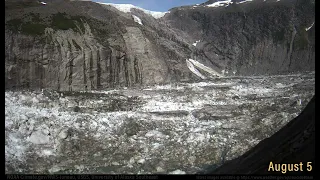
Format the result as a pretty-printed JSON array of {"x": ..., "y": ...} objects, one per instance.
[
  {"x": 126, "y": 8},
  {"x": 175, "y": 128}
]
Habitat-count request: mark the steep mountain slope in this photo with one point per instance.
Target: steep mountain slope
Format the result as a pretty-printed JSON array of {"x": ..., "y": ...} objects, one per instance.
[
  {"x": 85, "y": 45},
  {"x": 82, "y": 45},
  {"x": 250, "y": 37}
]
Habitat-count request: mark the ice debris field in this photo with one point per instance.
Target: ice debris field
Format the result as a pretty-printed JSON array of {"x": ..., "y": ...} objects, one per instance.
[{"x": 174, "y": 128}]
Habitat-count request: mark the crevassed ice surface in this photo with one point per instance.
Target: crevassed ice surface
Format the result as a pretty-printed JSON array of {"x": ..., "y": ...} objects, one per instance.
[{"x": 173, "y": 128}]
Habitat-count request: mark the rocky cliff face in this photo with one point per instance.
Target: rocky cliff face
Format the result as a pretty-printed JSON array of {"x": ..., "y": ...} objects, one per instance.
[
  {"x": 258, "y": 37},
  {"x": 63, "y": 47},
  {"x": 81, "y": 45}
]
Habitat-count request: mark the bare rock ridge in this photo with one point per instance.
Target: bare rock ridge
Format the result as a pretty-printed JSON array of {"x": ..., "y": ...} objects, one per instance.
[
  {"x": 292, "y": 144},
  {"x": 82, "y": 45}
]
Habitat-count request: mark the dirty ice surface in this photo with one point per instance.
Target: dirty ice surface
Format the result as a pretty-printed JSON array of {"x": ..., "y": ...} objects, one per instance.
[{"x": 174, "y": 128}]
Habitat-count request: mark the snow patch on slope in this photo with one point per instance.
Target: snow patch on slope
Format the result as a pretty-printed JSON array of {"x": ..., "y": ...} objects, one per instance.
[
  {"x": 220, "y": 3},
  {"x": 194, "y": 70},
  {"x": 127, "y": 8},
  {"x": 137, "y": 19},
  {"x": 195, "y": 44},
  {"x": 308, "y": 28},
  {"x": 243, "y": 1},
  {"x": 205, "y": 68}
]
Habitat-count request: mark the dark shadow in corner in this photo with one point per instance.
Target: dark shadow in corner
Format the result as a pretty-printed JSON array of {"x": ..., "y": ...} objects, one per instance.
[{"x": 292, "y": 144}]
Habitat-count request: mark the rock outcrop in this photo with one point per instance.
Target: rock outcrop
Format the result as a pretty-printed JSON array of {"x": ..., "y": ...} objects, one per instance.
[
  {"x": 63, "y": 46},
  {"x": 82, "y": 45},
  {"x": 250, "y": 37}
]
